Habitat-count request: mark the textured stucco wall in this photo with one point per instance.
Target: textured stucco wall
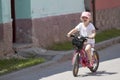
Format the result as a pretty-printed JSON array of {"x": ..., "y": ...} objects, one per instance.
[
  {"x": 6, "y": 42},
  {"x": 107, "y": 14},
  {"x": 53, "y": 29},
  {"x": 108, "y": 18},
  {"x": 5, "y": 28}
]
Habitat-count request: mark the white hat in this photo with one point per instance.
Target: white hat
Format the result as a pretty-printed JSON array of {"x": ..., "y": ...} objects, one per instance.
[{"x": 86, "y": 14}]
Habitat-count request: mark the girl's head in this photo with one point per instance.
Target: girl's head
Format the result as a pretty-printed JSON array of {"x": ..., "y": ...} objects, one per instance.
[{"x": 85, "y": 17}]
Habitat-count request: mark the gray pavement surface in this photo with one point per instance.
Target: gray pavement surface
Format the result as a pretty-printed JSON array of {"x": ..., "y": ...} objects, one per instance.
[
  {"x": 105, "y": 72},
  {"x": 108, "y": 69}
]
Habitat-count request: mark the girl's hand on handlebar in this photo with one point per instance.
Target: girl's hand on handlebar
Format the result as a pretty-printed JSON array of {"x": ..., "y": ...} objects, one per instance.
[
  {"x": 68, "y": 35},
  {"x": 90, "y": 37}
]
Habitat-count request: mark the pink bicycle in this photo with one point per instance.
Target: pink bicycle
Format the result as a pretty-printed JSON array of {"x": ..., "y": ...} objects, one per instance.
[{"x": 80, "y": 56}]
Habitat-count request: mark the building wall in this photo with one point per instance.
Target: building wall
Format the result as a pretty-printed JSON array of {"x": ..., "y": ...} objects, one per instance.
[
  {"x": 5, "y": 11},
  {"x": 107, "y": 14},
  {"x": 23, "y": 9},
  {"x": 0, "y": 12},
  {"x": 47, "y": 20},
  {"x": 44, "y": 8},
  {"x": 53, "y": 19},
  {"x": 26, "y": 9},
  {"x": 23, "y": 21},
  {"x": 44, "y": 22},
  {"x": 51, "y": 30},
  {"x": 107, "y": 4},
  {"x": 5, "y": 28}
]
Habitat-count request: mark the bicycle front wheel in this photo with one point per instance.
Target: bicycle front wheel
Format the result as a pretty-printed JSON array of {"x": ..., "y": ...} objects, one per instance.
[
  {"x": 95, "y": 62},
  {"x": 75, "y": 64}
]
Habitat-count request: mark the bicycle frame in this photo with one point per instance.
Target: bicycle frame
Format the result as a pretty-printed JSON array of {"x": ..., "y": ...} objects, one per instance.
[{"x": 83, "y": 59}]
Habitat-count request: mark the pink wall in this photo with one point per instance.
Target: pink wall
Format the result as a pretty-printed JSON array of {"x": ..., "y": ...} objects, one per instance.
[{"x": 105, "y": 4}]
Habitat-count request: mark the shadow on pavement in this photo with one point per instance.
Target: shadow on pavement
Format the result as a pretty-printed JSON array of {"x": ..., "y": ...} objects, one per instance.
[{"x": 98, "y": 73}]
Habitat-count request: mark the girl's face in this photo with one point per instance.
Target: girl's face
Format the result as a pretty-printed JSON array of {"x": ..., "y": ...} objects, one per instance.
[{"x": 85, "y": 19}]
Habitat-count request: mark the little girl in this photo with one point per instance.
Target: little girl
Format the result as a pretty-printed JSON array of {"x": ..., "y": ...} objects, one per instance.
[{"x": 86, "y": 29}]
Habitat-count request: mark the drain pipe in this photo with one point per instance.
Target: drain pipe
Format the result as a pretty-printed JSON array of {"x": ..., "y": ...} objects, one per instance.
[
  {"x": 90, "y": 6},
  {"x": 94, "y": 13}
]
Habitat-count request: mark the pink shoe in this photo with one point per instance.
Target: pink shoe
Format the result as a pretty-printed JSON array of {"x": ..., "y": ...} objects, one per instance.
[{"x": 90, "y": 65}]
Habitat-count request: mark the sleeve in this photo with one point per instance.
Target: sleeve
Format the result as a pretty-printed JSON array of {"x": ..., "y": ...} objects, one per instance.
[
  {"x": 78, "y": 27},
  {"x": 92, "y": 27}
]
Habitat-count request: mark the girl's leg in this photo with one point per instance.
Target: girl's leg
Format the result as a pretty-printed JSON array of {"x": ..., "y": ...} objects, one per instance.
[{"x": 88, "y": 51}]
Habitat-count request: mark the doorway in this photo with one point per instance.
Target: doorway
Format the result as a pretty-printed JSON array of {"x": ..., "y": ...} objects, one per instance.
[{"x": 13, "y": 20}]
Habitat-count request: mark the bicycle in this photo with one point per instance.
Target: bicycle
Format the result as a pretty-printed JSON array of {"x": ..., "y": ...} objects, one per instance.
[{"x": 80, "y": 56}]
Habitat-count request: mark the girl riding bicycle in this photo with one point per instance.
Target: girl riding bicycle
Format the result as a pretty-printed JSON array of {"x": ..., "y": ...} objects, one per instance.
[{"x": 86, "y": 29}]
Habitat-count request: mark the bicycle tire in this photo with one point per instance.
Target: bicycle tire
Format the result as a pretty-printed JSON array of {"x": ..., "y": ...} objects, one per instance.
[
  {"x": 75, "y": 64},
  {"x": 96, "y": 57}
]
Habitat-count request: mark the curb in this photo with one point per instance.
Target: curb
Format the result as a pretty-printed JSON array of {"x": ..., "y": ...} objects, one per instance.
[{"x": 107, "y": 43}]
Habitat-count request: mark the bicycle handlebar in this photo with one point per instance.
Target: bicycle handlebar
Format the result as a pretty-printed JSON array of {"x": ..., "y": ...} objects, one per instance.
[{"x": 72, "y": 35}]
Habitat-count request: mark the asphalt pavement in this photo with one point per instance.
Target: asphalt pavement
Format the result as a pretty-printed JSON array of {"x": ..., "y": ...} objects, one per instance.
[{"x": 108, "y": 69}]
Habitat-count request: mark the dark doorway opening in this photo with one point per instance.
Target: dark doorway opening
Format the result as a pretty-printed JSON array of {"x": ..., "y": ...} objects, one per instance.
[{"x": 13, "y": 20}]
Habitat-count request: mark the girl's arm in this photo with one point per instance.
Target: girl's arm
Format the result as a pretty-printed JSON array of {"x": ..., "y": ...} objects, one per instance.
[
  {"x": 72, "y": 32},
  {"x": 92, "y": 36}
]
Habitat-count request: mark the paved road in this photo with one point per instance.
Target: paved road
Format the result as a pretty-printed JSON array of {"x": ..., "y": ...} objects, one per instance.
[{"x": 108, "y": 69}]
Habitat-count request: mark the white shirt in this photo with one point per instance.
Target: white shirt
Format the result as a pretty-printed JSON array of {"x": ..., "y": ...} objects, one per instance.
[{"x": 86, "y": 31}]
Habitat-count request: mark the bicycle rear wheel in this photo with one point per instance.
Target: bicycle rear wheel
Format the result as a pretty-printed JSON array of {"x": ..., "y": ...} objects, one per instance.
[
  {"x": 95, "y": 62},
  {"x": 75, "y": 64}
]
